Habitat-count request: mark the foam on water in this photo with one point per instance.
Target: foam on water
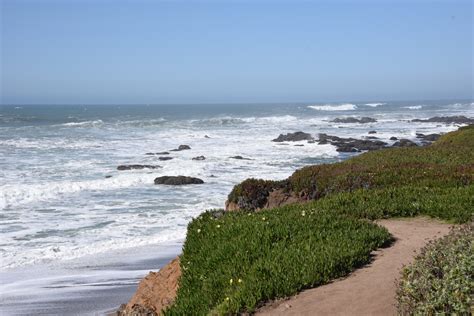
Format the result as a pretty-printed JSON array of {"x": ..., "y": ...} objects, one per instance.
[{"x": 331, "y": 107}]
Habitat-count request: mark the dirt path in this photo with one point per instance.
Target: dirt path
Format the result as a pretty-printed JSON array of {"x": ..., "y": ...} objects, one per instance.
[{"x": 369, "y": 290}]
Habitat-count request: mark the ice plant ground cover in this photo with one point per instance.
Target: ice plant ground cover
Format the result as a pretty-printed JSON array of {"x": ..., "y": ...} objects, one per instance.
[
  {"x": 278, "y": 252},
  {"x": 440, "y": 280}
]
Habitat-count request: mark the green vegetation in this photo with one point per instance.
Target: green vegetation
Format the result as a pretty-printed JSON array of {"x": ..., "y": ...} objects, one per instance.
[
  {"x": 440, "y": 281},
  {"x": 232, "y": 261},
  {"x": 447, "y": 163}
]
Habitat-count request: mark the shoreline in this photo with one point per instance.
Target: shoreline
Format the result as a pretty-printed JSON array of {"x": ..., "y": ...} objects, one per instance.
[{"x": 82, "y": 287}]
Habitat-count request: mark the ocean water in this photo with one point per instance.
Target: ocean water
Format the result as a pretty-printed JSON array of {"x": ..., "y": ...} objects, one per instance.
[{"x": 67, "y": 212}]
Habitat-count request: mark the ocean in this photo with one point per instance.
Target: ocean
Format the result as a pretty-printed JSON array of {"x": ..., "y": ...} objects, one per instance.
[{"x": 74, "y": 228}]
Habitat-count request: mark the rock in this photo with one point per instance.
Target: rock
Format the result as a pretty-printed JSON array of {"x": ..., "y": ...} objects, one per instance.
[
  {"x": 155, "y": 292},
  {"x": 404, "y": 143},
  {"x": 240, "y": 158},
  {"x": 351, "y": 144},
  {"x": 293, "y": 137},
  {"x": 299, "y": 145},
  {"x": 199, "y": 158},
  {"x": 160, "y": 153},
  {"x": 460, "y": 119},
  {"x": 177, "y": 180},
  {"x": 362, "y": 120},
  {"x": 372, "y": 132},
  {"x": 429, "y": 137},
  {"x": 131, "y": 167},
  {"x": 371, "y": 137},
  {"x": 165, "y": 158},
  {"x": 311, "y": 141},
  {"x": 182, "y": 147},
  {"x": 393, "y": 138},
  {"x": 205, "y": 136},
  {"x": 107, "y": 177}
]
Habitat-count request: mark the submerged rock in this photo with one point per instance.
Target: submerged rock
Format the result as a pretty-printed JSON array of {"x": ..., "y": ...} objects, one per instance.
[
  {"x": 372, "y": 132},
  {"x": 293, "y": 137},
  {"x": 362, "y": 120},
  {"x": 177, "y": 180},
  {"x": 393, "y": 138},
  {"x": 199, "y": 158},
  {"x": 459, "y": 119},
  {"x": 240, "y": 158},
  {"x": 131, "y": 167},
  {"x": 165, "y": 158}
]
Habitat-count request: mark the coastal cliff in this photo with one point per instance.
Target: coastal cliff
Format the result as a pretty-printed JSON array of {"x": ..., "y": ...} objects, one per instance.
[{"x": 233, "y": 261}]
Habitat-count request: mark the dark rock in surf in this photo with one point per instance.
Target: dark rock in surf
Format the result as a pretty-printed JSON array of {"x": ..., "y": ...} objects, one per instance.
[
  {"x": 393, "y": 138},
  {"x": 199, "y": 158},
  {"x": 165, "y": 158},
  {"x": 372, "y": 132},
  {"x": 240, "y": 158},
  {"x": 362, "y": 120},
  {"x": 138, "y": 167},
  {"x": 459, "y": 119},
  {"x": 293, "y": 137},
  {"x": 178, "y": 180},
  {"x": 429, "y": 137},
  {"x": 181, "y": 147}
]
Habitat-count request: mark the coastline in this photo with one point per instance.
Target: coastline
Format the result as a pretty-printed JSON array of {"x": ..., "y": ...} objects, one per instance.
[{"x": 95, "y": 287}]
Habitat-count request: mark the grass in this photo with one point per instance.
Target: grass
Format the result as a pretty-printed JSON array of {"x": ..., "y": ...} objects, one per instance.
[
  {"x": 440, "y": 280},
  {"x": 233, "y": 261}
]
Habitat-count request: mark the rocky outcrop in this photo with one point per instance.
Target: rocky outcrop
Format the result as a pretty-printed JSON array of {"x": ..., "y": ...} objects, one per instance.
[
  {"x": 181, "y": 147},
  {"x": 132, "y": 167},
  {"x": 362, "y": 120},
  {"x": 275, "y": 198},
  {"x": 165, "y": 158},
  {"x": 351, "y": 144},
  {"x": 199, "y": 158},
  {"x": 404, "y": 143},
  {"x": 293, "y": 137},
  {"x": 177, "y": 180},
  {"x": 155, "y": 292},
  {"x": 459, "y": 119}
]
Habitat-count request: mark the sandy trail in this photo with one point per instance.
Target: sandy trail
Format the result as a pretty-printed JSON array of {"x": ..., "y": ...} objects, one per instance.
[{"x": 371, "y": 289}]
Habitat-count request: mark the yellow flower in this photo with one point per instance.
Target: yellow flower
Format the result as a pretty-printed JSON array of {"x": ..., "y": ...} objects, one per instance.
[
  {"x": 231, "y": 281},
  {"x": 240, "y": 280},
  {"x": 263, "y": 218},
  {"x": 226, "y": 298},
  {"x": 218, "y": 226},
  {"x": 199, "y": 230}
]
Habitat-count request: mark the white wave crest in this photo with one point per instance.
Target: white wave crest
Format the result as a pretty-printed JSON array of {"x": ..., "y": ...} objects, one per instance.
[
  {"x": 84, "y": 124},
  {"x": 413, "y": 107},
  {"x": 376, "y": 104},
  {"x": 330, "y": 107}
]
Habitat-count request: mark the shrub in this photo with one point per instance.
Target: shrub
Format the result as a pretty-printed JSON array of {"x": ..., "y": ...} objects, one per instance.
[{"x": 440, "y": 280}]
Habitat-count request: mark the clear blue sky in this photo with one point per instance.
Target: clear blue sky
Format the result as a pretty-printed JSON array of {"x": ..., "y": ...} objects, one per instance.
[{"x": 234, "y": 51}]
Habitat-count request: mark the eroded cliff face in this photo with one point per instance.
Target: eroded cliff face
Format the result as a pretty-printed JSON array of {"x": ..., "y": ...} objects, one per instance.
[
  {"x": 275, "y": 198},
  {"x": 155, "y": 292}
]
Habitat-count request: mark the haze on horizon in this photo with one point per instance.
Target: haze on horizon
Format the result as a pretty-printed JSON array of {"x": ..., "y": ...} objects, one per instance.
[{"x": 103, "y": 52}]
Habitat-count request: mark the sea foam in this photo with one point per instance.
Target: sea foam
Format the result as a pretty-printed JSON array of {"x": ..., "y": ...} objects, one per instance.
[{"x": 331, "y": 107}]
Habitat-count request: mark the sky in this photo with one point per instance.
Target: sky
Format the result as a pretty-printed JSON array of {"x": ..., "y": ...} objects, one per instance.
[{"x": 149, "y": 52}]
